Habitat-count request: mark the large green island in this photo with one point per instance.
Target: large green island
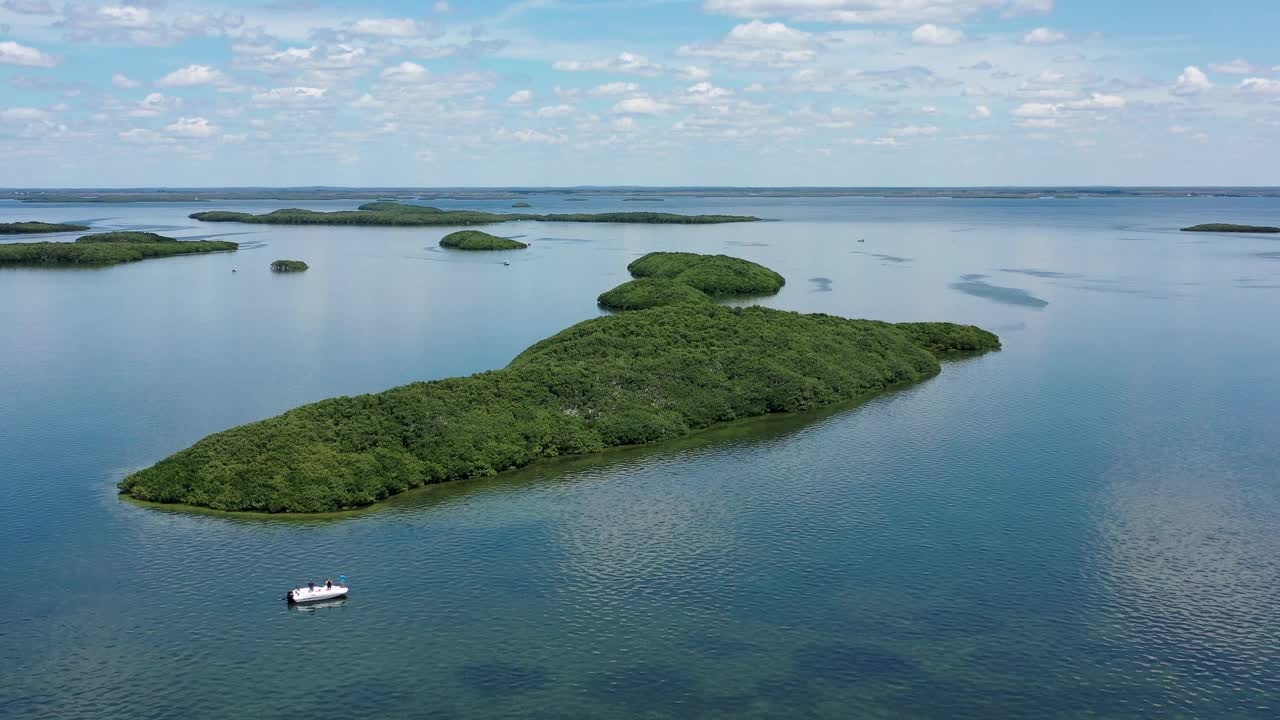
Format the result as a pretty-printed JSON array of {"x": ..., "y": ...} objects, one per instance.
[
  {"x": 1227, "y": 227},
  {"x": 109, "y": 248},
  {"x": 477, "y": 240},
  {"x": 399, "y": 214},
  {"x": 625, "y": 379},
  {"x": 33, "y": 227},
  {"x": 681, "y": 278}
]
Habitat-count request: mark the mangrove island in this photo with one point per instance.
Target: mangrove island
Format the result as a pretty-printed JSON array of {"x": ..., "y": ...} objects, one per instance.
[
  {"x": 626, "y": 379},
  {"x": 1228, "y": 228},
  {"x": 400, "y": 214},
  {"x": 33, "y": 227},
  {"x": 109, "y": 248},
  {"x": 681, "y": 278},
  {"x": 477, "y": 240},
  {"x": 288, "y": 266}
]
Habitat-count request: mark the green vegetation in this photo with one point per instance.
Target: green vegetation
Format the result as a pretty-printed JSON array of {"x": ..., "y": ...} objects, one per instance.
[
  {"x": 108, "y": 248},
  {"x": 715, "y": 275},
  {"x": 25, "y": 228},
  {"x": 623, "y": 379},
  {"x": 477, "y": 240},
  {"x": 286, "y": 266},
  {"x": 520, "y": 205},
  {"x": 645, "y": 293},
  {"x": 1223, "y": 227},
  {"x": 393, "y": 213}
]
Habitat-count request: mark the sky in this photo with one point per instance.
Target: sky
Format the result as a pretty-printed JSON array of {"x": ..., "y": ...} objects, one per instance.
[{"x": 452, "y": 93}]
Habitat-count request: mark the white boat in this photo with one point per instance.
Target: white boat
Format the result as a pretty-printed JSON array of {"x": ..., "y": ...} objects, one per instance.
[{"x": 315, "y": 593}]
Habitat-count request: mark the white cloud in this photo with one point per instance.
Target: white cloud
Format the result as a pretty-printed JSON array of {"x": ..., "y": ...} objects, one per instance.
[
  {"x": 386, "y": 27},
  {"x": 11, "y": 53},
  {"x": 625, "y": 62},
  {"x": 914, "y": 131},
  {"x": 875, "y": 11},
  {"x": 553, "y": 111},
  {"x": 980, "y": 112},
  {"x": 154, "y": 104},
  {"x": 759, "y": 43},
  {"x": 695, "y": 73},
  {"x": 1260, "y": 86},
  {"x": 614, "y": 88},
  {"x": 1043, "y": 36},
  {"x": 520, "y": 97},
  {"x": 1192, "y": 81},
  {"x": 1239, "y": 66},
  {"x": 192, "y": 76},
  {"x": 23, "y": 114},
  {"x": 1029, "y": 110},
  {"x": 1097, "y": 101},
  {"x": 705, "y": 92},
  {"x": 531, "y": 136},
  {"x": 192, "y": 127},
  {"x": 641, "y": 106},
  {"x": 406, "y": 72},
  {"x": 930, "y": 34},
  {"x": 123, "y": 82},
  {"x": 290, "y": 96}
]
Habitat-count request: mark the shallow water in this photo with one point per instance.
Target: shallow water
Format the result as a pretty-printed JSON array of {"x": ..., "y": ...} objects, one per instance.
[{"x": 1083, "y": 524}]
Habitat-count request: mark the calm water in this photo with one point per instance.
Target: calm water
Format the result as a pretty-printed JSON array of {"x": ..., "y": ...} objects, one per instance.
[{"x": 1085, "y": 524}]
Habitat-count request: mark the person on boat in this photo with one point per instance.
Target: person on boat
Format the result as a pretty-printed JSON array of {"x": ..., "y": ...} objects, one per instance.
[
  {"x": 311, "y": 585},
  {"x": 328, "y": 583}
]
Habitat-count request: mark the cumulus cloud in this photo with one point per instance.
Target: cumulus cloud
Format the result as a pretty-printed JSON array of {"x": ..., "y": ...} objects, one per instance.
[
  {"x": 980, "y": 112},
  {"x": 1239, "y": 66},
  {"x": 1260, "y": 86},
  {"x": 614, "y": 88},
  {"x": 296, "y": 95},
  {"x": 191, "y": 127},
  {"x": 11, "y": 53},
  {"x": 1192, "y": 81},
  {"x": 386, "y": 27},
  {"x": 123, "y": 82},
  {"x": 155, "y": 104},
  {"x": 139, "y": 25},
  {"x": 759, "y": 43},
  {"x": 930, "y": 34},
  {"x": 641, "y": 106},
  {"x": 520, "y": 97},
  {"x": 553, "y": 111},
  {"x": 1053, "y": 115},
  {"x": 531, "y": 136},
  {"x": 1043, "y": 36},
  {"x": 875, "y": 11},
  {"x": 625, "y": 62},
  {"x": 192, "y": 76},
  {"x": 406, "y": 72}
]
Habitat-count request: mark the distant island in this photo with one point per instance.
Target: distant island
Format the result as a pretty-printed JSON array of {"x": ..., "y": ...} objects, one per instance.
[
  {"x": 1228, "y": 228},
  {"x": 477, "y": 240},
  {"x": 643, "y": 199},
  {"x": 680, "y": 278},
  {"x": 626, "y": 379},
  {"x": 288, "y": 266},
  {"x": 109, "y": 248},
  {"x": 392, "y": 213},
  {"x": 30, "y": 228},
  {"x": 521, "y": 205}
]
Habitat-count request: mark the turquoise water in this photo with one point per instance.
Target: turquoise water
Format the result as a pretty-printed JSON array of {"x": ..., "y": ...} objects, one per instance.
[{"x": 1083, "y": 524}]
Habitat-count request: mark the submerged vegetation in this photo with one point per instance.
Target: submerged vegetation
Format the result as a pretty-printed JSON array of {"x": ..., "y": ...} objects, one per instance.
[
  {"x": 107, "y": 248},
  {"x": 1226, "y": 227},
  {"x": 626, "y": 379},
  {"x": 399, "y": 214},
  {"x": 477, "y": 240},
  {"x": 286, "y": 266},
  {"x": 28, "y": 228}
]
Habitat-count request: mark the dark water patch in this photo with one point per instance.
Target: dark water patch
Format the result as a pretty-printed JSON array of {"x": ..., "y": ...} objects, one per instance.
[
  {"x": 502, "y": 679},
  {"x": 886, "y": 258},
  {"x": 1039, "y": 273},
  {"x": 845, "y": 664},
  {"x": 821, "y": 284},
  {"x": 564, "y": 240},
  {"x": 975, "y": 286},
  {"x": 1272, "y": 255},
  {"x": 745, "y": 243},
  {"x": 973, "y": 276},
  {"x": 254, "y": 245},
  {"x": 1106, "y": 288},
  {"x": 657, "y": 688}
]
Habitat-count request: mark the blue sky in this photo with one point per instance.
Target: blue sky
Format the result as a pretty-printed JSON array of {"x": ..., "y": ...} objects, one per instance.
[{"x": 717, "y": 92}]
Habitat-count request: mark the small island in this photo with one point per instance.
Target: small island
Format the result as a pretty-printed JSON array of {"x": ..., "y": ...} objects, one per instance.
[
  {"x": 681, "y": 278},
  {"x": 521, "y": 205},
  {"x": 33, "y": 227},
  {"x": 626, "y": 379},
  {"x": 288, "y": 266},
  {"x": 109, "y": 248},
  {"x": 477, "y": 240},
  {"x": 1228, "y": 228},
  {"x": 400, "y": 214}
]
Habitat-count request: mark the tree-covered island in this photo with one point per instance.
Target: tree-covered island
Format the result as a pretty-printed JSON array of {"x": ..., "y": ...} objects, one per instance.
[
  {"x": 33, "y": 227},
  {"x": 288, "y": 266},
  {"x": 681, "y": 278},
  {"x": 477, "y": 240},
  {"x": 625, "y": 379},
  {"x": 400, "y": 214},
  {"x": 109, "y": 248},
  {"x": 1229, "y": 228}
]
